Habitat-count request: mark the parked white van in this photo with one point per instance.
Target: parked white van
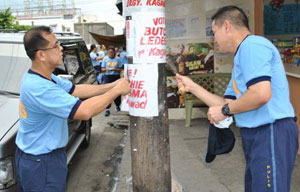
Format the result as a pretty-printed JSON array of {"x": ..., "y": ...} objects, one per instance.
[{"x": 13, "y": 64}]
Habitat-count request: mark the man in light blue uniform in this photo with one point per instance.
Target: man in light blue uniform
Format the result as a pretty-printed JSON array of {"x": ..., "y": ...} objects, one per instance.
[
  {"x": 123, "y": 55},
  {"x": 258, "y": 97},
  {"x": 101, "y": 52},
  {"x": 112, "y": 66},
  {"x": 97, "y": 58},
  {"x": 46, "y": 103}
]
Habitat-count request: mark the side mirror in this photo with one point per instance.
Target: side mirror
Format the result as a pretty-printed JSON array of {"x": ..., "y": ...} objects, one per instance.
[{"x": 67, "y": 77}]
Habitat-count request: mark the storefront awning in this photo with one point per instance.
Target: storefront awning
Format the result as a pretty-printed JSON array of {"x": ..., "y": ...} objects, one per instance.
[{"x": 107, "y": 40}]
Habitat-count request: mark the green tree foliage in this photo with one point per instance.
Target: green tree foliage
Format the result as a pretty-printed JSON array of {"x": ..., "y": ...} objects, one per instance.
[
  {"x": 21, "y": 27},
  {"x": 8, "y": 21}
]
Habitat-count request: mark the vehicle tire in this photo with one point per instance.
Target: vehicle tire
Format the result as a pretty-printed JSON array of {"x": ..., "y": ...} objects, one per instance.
[{"x": 87, "y": 132}]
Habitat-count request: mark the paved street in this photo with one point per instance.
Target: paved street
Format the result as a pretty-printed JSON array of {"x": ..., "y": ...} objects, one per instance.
[
  {"x": 187, "y": 149},
  {"x": 91, "y": 169}
]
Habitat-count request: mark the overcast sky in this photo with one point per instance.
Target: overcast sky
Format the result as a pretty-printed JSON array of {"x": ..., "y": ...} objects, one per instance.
[{"x": 105, "y": 10}]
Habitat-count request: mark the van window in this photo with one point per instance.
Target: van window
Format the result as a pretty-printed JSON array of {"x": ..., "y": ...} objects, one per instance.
[
  {"x": 72, "y": 62},
  {"x": 85, "y": 57},
  {"x": 61, "y": 69}
]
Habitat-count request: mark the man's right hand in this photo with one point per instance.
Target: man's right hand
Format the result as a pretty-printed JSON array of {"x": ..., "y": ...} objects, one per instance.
[
  {"x": 184, "y": 83},
  {"x": 123, "y": 86}
]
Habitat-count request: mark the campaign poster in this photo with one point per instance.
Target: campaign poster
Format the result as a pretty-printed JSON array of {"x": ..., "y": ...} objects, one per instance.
[
  {"x": 174, "y": 100},
  {"x": 192, "y": 58},
  {"x": 131, "y": 6},
  {"x": 189, "y": 59},
  {"x": 142, "y": 101},
  {"x": 150, "y": 37}
]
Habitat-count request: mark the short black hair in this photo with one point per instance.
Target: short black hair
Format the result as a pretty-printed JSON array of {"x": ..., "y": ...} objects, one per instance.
[
  {"x": 232, "y": 13},
  {"x": 93, "y": 46},
  {"x": 33, "y": 40},
  {"x": 112, "y": 48}
]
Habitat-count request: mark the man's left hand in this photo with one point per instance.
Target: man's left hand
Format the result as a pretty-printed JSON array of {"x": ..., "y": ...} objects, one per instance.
[{"x": 215, "y": 114}]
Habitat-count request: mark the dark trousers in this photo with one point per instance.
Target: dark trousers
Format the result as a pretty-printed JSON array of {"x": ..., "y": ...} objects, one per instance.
[
  {"x": 110, "y": 79},
  {"x": 270, "y": 151},
  {"x": 41, "y": 173}
]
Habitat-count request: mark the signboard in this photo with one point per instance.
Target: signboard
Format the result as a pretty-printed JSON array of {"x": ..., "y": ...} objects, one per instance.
[
  {"x": 189, "y": 59},
  {"x": 192, "y": 58},
  {"x": 142, "y": 100},
  {"x": 131, "y": 6},
  {"x": 283, "y": 21},
  {"x": 150, "y": 41}
]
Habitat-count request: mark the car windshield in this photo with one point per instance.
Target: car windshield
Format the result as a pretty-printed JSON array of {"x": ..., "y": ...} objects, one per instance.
[
  {"x": 11, "y": 73},
  {"x": 15, "y": 63}
]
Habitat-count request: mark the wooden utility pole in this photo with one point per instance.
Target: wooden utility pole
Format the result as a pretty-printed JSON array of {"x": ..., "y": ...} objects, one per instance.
[
  {"x": 149, "y": 132},
  {"x": 150, "y": 148}
]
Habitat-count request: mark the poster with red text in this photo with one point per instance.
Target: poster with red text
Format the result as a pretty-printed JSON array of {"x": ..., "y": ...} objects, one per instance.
[
  {"x": 124, "y": 98},
  {"x": 131, "y": 6},
  {"x": 150, "y": 41},
  {"x": 142, "y": 101}
]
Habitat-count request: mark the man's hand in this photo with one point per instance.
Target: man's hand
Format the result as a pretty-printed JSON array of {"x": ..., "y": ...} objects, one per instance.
[
  {"x": 123, "y": 86},
  {"x": 215, "y": 114},
  {"x": 184, "y": 83}
]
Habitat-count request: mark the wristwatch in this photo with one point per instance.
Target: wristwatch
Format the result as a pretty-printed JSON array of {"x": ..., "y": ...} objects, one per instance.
[{"x": 226, "y": 110}]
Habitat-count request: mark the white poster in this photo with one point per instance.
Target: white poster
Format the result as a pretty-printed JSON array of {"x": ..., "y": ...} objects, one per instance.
[
  {"x": 131, "y": 6},
  {"x": 176, "y": 28},
  {"x": 130, "y": 37},
  {"x": 124, "y": 98},
  {"x": 142, "y": 101},
  {"x": 150, "y": 41}
]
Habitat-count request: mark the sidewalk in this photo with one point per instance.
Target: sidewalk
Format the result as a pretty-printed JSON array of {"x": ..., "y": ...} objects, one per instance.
[{"x": 188, "y": 149}]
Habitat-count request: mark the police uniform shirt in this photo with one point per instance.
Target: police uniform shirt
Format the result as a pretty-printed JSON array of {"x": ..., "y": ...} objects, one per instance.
[
  {"x": 109, "y": 63},
  {"x": 256, "y": 60},
  {"x": 45, "y": 106}
]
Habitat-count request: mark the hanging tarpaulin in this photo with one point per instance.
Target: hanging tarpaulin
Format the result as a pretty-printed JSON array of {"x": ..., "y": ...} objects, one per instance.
[
  {"x": 150, "y": 37},
  {"x": 131, "y": 6},
  {"x": 142, "y": 100},
  {"x": 107, "y": 40}
]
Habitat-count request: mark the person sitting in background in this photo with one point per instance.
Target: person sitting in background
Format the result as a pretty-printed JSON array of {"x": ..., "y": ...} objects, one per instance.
[{"x": 112, "y": 66}]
